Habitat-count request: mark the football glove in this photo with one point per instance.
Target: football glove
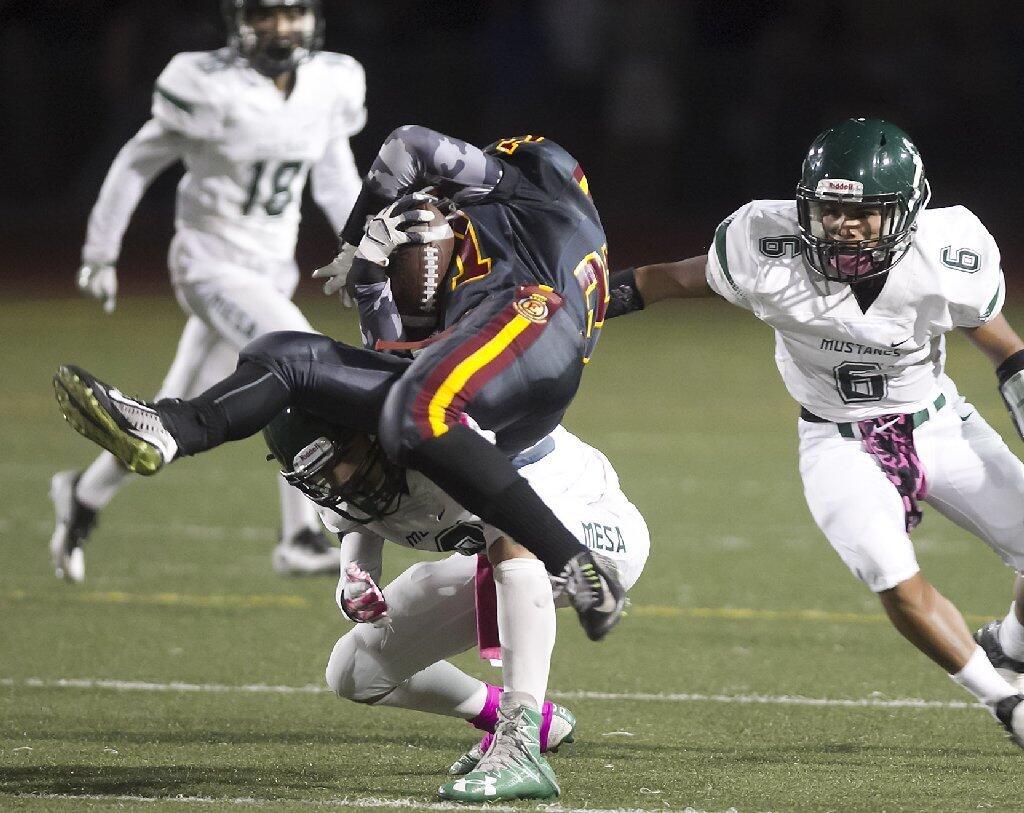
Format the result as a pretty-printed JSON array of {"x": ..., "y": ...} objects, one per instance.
[
  {"x": 359, "y": 597},
  {"x": 99, "y": 280}
]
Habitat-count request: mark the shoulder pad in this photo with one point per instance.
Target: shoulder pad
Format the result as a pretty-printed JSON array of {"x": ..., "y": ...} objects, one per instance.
[
  {"x": 185, "y": 97},
  {"x": 955, "y": 241},
  {"x": 347, "y": 80}
]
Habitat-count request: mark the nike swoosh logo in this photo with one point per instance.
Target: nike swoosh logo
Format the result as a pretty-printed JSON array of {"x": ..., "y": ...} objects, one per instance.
[
  {"x": 897, "y": 344},
  {"x": 441, "y": 514}
]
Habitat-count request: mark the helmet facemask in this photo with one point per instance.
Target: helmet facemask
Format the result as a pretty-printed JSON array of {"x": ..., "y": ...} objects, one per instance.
[
  {"x": 840, "y": 260},
  {"x": 859, "y": 170},
  {"x": 373, "y": 489},
  {"x": 270, "y": 53}
]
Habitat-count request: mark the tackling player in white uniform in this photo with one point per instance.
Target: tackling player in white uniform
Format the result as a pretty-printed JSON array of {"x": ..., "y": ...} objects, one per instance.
[
  {"x": 861, "y": 282},
  {"x": 437, "y": 609},
  {"x": 250, "y": 122}
]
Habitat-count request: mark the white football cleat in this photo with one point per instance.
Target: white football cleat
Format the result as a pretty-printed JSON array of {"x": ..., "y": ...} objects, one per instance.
[
  {"x": 73, "y": 523},
  {"x": 129, "y": 428},
  {"x": 308, "y": 553}
]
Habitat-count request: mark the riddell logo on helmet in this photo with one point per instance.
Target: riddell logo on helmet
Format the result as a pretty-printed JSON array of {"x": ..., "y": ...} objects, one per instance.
[{"x": 839, "y": 186}]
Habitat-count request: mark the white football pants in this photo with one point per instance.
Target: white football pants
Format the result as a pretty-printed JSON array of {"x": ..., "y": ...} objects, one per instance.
[
  {"x": 973, "y": 479},
  {"x": 228, "y": 305},
  {"x": 433, "y": 605}
]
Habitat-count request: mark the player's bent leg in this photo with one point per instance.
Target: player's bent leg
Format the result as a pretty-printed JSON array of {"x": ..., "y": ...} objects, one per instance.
[
  {"x": 976, "y": 481},
  {"x": 501, "y": 368},
  {"x": 930, "y": 622},
  {"x": 433, "y": 616}
]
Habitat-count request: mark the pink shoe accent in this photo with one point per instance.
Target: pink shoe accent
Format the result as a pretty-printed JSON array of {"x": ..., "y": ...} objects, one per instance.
[
  {"x": 487, "y": 719},
  {"x": 546, "y": 713}
]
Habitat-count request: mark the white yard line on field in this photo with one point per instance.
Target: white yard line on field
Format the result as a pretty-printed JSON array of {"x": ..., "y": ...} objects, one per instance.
[{"x": 656, "y": 697}]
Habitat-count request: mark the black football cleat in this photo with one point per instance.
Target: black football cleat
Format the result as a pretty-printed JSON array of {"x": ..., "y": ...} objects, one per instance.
[
  {"x": 988, "y": 639},
  {"x": 1010, "y": 713},
  {"x": 595, "y": 592}
]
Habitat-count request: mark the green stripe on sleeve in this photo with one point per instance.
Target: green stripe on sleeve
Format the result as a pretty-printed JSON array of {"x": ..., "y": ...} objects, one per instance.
[
  {"x": 999, "y": 289},
  {"x": 723, "y": 259},
  {"x": 177, "y": 101}
]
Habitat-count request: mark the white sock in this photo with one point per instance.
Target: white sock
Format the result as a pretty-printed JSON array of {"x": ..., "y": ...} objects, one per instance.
[
  {"x": 101, "y": 481},
  {"x": 526, "y": 626},
  {"x": 440, "y": 689},
  {"x": 1011, "y": 635},
  {"x": 297, "y": 512},
  {"x": 981, "y": 679}
]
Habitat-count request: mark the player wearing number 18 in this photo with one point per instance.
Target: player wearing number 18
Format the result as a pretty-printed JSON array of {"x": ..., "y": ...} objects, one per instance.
[
  {"x": 861, "y": 283},
  {"x": 250, "y": 122}
]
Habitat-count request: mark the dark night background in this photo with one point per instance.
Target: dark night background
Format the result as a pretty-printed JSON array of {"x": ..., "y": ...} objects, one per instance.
[{"x": 679, "y": 111}]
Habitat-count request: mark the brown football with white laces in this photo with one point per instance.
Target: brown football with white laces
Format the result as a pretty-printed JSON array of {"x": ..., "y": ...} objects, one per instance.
[{"x": 416, "y": 271}]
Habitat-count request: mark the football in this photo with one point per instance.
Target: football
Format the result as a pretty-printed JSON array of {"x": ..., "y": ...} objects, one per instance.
[{"x": 416, "y": 271}]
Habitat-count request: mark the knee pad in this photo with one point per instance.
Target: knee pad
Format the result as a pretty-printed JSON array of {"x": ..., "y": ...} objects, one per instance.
[{"x": 353, "y": 673}]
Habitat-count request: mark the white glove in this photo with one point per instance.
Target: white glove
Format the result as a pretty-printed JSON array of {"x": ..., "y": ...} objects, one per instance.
[
  {"x": 337, "y": 273},
  {"x": 359, "y": 597},
  {"x": 99, "y": 280},
  {"x": 389, "y": 228}
]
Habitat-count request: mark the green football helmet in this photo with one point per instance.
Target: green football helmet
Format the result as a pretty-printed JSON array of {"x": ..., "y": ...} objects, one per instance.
[
  {"x": 309, "y": 448},
  {"x": 868, "y": 162}
]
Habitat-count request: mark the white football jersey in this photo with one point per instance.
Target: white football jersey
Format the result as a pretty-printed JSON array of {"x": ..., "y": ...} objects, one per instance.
[
  {"x": 840, "y": 363},
  {"x": 247, "y": 151},
  {"x": 427, "y": 519}
]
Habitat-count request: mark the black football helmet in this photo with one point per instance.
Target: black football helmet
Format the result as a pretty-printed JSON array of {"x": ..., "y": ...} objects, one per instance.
[
  {"x": 273, "y": 55},
  {"x": 308, "y": 449}
]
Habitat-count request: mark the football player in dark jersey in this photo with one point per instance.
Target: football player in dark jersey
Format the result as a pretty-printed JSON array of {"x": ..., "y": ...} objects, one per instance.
[{"x": 522, "y": 309}]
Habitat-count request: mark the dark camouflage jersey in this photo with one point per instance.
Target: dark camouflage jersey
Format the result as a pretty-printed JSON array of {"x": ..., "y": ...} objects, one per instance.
[{"x": 525, "y": 217}]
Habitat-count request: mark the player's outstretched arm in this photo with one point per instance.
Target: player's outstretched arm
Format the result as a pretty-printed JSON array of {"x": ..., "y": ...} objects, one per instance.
[
  {"x": 148, "y": 153},
  {"x": 1001, "y": 343},
  {"x": 636, "y": 288}
]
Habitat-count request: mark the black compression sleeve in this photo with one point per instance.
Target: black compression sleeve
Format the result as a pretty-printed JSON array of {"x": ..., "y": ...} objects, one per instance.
[
  {"x": 623, "y": 295},
  {"x": 234, "y": 408}
]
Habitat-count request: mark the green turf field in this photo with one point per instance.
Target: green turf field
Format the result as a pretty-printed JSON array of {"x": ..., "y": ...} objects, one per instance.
[{"x": 192, "y": 674}]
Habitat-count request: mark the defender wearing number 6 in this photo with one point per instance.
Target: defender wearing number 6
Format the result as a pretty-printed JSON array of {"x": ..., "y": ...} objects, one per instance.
[
  {"x": 250, "y": 122},
  {"x": 861, "y": 283}
]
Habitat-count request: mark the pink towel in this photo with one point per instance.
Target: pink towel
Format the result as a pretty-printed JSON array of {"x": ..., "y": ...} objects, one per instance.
[{"x": 487, "y": 640}]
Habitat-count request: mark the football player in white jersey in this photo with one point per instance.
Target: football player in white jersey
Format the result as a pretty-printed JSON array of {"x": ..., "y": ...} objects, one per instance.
[
  {"x": 861, "y": 282},
  {"x": 434, "y": 610},
  {"x": 250, "y": 122}
]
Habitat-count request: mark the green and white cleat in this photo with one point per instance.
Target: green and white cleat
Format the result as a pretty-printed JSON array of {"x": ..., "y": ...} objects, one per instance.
[
  {"x": 128, "y": 428},
  {"x": 557, "y": 727},
  {"x": 512, "y": 767}
]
